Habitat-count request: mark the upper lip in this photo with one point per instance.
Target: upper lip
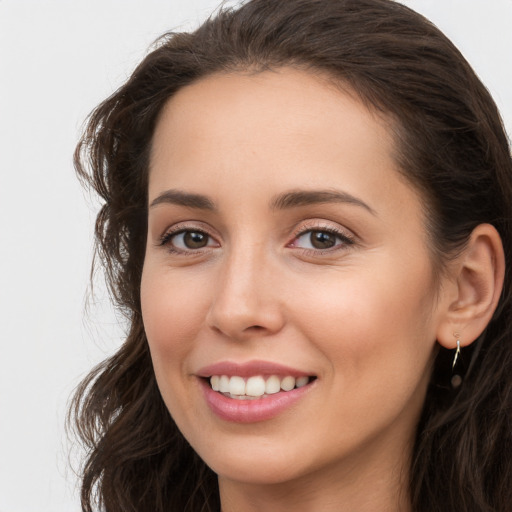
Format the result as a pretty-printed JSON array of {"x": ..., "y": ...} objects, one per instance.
[{"x": 250, "y": 368}]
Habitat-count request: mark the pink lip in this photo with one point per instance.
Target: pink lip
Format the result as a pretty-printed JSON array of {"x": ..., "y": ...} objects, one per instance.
[
  {"x": 251, "y": 411},
  {"x": 250, "y": 368}
]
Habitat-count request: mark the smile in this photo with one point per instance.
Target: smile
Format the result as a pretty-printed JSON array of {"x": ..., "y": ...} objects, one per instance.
[
  {"x": 252, "y": 388},
  {"x": 253, "y": 391}
]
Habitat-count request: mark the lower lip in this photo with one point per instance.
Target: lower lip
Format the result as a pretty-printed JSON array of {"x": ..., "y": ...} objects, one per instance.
[{"x": 252, "y": 411}]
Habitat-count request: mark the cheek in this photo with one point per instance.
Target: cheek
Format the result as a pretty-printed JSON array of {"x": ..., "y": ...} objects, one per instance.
[
  {"x": 173, "y": 311},
  {"x": 362, "y": 304},
  {"x": 378, "y": 348},
  {"x": 376, "y": 329}
]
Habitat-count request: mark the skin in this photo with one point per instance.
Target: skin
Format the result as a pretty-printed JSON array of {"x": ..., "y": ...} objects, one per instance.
[{"x": 362, "y": 317}]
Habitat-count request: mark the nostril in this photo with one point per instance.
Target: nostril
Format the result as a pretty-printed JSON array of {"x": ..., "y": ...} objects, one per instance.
[{"x": 255, "y": 328}]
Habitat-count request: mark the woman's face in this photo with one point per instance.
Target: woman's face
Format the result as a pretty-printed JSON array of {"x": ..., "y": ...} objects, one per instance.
[{"x": 284, "y": 249}]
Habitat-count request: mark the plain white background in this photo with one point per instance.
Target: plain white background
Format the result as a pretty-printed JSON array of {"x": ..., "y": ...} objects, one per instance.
[{"x": 58, "y": 59}]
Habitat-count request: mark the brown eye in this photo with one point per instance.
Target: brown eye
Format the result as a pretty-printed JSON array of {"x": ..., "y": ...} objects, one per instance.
[
  {"x": 188, "y": 240},
  {"x": 322, "y": 239},
  {"x": 195, "y": 239}
]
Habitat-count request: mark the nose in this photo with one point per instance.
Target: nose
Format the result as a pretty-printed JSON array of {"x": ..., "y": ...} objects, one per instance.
[{"x": 246, "y": 301}]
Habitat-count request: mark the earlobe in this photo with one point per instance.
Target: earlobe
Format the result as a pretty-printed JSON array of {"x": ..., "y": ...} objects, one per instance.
[{"x": 477, "y": 280}]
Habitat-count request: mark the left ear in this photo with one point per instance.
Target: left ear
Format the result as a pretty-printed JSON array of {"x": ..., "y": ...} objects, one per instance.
[{"x": 474, "y": 289}]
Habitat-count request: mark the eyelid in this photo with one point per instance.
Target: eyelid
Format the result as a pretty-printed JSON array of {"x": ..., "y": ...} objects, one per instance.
[
  {"x": 165, "y": 238},
  {"x": 323, "y": 225},
  {"x": 188, "y": 225},
  {"x": 345, "y": 235}
]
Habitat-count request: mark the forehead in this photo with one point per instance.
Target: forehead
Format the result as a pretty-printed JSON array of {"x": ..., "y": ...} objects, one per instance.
[
  {"x": 301, "y": 102},
  {"x": 285, "y": 128}
]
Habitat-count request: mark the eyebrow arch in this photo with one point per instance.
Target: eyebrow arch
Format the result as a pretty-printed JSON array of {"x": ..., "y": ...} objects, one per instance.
[
  {"x": 181, "y": 198},
  {"x": 297, "y": 198}
]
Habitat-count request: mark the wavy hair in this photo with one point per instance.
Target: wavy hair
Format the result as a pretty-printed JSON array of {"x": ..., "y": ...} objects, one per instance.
[{"x": 450, "y": 144}]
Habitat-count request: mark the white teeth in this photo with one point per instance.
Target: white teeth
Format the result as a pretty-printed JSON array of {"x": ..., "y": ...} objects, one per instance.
[
  {"x": 237, "y": 386},
  {"x": 214, "y": 381},
  {"x": 224, "y": 384},
  {"x": 273, "y": 385},
  {"x": 288, "y": 383},
  {"x": 256, "y": 386}
]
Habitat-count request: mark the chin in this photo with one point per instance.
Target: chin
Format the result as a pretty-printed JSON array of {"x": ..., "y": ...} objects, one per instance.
[
  {"x": 261, "y": 460},
  {"x": 256, "y": 472}
]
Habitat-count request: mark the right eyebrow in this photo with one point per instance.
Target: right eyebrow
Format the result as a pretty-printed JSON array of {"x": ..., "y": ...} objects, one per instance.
[{"x": 172, "y": 196}]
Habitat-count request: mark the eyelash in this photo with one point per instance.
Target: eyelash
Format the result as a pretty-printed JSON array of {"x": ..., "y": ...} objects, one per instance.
[
  {"x": 168, "y": 236},
  {"x": 345, "y": 239}
]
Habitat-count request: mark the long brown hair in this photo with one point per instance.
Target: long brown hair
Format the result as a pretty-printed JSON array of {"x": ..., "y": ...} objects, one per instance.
[{"x": 450, "y": 145}]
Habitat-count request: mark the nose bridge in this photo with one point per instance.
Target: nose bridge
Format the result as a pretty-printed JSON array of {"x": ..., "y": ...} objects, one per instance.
[{"x": 244, "y": 301}]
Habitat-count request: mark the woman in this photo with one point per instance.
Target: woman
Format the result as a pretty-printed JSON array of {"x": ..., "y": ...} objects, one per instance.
[{"x": 307, "y": 223}]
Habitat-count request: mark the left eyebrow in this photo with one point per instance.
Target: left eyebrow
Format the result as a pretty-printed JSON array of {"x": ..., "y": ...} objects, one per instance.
[{"x": 297, "y": 198}]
